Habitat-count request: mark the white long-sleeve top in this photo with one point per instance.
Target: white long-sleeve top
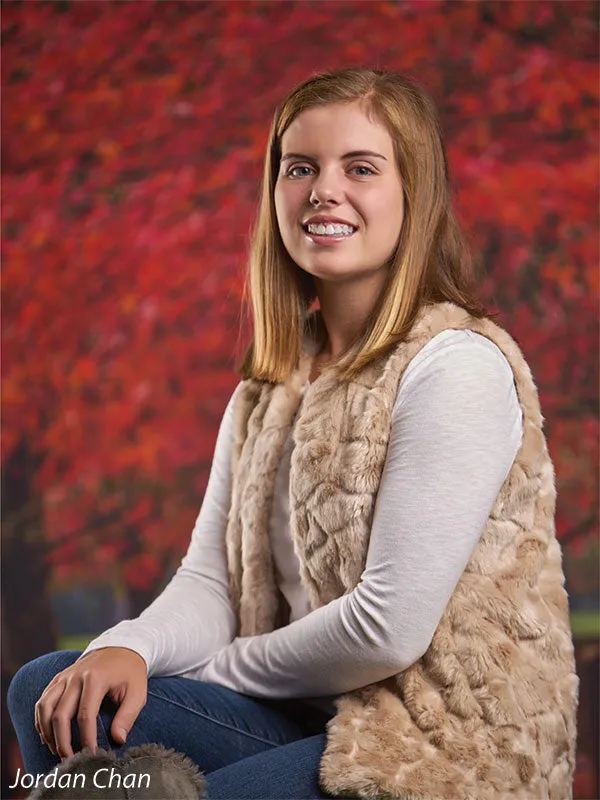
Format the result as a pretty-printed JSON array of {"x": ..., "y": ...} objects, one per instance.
[{"x": 456, "y": 429}]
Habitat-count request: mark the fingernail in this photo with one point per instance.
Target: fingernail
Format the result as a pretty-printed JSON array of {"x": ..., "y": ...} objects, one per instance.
[{"x": 123, "y": 733}]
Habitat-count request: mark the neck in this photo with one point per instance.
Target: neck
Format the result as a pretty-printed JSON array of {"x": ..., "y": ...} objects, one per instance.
[{"x": 345, "y": 307}]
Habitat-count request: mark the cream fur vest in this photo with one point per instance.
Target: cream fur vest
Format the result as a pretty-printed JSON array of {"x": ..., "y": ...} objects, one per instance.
[{"x": 489, "y": 711}]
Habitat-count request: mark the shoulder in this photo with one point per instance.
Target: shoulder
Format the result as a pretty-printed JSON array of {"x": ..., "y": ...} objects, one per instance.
[
  {"x": 233, "y": 396},
  {"x": 231, "y": 409},
  {"x": 458, "y": 361},
  {"x": 459, "y": 349}
]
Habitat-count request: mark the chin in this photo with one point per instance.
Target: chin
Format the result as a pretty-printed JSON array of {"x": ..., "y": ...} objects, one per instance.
[{"x": 333, "y": 274}]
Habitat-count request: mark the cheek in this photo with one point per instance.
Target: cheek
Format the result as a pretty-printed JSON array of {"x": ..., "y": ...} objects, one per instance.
[
  {"x": 387, "y": 212},
  {"x": 278, "y": 205},
  {"x": 287, "y": 204}
]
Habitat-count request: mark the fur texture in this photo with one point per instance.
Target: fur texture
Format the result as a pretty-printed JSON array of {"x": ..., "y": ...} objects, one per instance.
[
  {"x": 172, "y": 776},
  {"x": 489, "y": 711}
]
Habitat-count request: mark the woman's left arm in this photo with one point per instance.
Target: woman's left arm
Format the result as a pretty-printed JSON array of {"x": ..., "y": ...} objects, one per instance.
[{"x": 456, "y": 428}]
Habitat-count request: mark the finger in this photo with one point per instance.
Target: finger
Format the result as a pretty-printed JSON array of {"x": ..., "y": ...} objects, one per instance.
[
  {"x": 92, "y": 694},
  {"x": 38, "y": 727},
  {"x": 63, "y": 714},
  {"x": 133, "y": 702},
  {"x": 44, "y": 708}
]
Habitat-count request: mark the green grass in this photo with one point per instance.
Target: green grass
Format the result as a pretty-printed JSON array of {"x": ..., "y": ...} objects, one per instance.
[
  {"x": 75, "y": 642},
  {"x": 585, "y": 624}
]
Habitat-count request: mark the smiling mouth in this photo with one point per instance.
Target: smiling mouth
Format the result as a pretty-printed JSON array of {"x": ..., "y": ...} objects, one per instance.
[{"x": 324, "y": 236}]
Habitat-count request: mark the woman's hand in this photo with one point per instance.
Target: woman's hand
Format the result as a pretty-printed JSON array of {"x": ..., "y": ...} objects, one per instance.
[{"x": 79, "y": 690}]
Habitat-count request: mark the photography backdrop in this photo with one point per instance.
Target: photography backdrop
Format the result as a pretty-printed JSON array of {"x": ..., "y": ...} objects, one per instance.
[{"x": 133, "y": 138}]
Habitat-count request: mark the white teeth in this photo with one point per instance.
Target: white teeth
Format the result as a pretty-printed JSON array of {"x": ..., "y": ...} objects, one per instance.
[{"x": 330, "y": 229}]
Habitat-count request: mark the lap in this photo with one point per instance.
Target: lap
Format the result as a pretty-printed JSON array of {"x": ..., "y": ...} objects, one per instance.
[
  {"x": 215, "y": 726},
  {"x": 290, "y": 771}
]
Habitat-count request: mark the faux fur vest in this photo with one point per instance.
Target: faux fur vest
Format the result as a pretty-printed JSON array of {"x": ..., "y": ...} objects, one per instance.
[{"x": 489, "y": 711}]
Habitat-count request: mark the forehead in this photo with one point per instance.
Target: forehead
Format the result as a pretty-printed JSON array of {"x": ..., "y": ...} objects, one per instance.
[{"x": 338, "y": 126}]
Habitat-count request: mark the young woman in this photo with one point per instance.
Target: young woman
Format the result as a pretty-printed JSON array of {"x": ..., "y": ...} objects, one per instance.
[{"x": 372, "y": 602}]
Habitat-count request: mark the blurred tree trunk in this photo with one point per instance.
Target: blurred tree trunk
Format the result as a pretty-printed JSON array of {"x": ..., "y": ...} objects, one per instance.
[
  {"x": 25, "y": 573},
  {"x": 139, "y": 599},
  {"x": 28, "y": 629}
]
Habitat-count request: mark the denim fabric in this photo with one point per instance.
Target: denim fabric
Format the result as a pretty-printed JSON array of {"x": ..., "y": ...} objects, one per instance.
[{"x": 246, "y": 747}]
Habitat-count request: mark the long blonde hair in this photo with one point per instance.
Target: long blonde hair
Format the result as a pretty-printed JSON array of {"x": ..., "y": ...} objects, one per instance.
[{"x": 432, "y": 262}]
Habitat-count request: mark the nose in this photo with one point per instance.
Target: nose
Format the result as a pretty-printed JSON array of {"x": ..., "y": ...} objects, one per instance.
[{"x": 326, "y": 188}]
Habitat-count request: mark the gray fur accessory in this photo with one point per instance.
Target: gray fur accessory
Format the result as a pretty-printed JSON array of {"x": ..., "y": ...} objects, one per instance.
[{"x": 147, "y": 772}]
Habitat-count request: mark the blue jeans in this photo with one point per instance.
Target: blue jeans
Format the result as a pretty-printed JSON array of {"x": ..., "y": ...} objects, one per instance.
[{"x": 247, "y": 747}]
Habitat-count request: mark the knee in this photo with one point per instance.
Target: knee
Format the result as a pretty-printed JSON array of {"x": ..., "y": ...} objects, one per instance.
[{"x": 31, "y": 679}]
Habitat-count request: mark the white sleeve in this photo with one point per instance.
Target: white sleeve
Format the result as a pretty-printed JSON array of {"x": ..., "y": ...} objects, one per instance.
[
  {"x": 456, "y": 428},
  {"x": 192, "y": 618}
]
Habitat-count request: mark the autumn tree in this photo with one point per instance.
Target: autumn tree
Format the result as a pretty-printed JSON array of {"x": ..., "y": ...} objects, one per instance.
[{"x": 132, "y": 162}]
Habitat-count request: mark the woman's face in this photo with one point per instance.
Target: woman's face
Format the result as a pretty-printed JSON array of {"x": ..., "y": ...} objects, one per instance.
[{"x": 338, "y": 165}]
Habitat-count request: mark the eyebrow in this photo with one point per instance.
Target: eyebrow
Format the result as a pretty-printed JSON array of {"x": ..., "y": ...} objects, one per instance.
[{"x": 353, "y": 154}]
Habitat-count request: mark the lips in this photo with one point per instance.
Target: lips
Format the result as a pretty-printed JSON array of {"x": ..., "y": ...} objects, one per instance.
[
  {"x": 330, "y": 239},
  {"x": 305, "y": 228},
  {"x": 310, "y": 222}
]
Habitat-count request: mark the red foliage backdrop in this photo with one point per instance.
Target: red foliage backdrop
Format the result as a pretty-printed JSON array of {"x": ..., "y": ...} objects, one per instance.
[{"x": 132, "y": 152}]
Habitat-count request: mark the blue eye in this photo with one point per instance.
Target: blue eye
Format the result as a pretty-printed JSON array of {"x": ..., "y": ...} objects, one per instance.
[
  {"x": 362, "y": 166},
  {"x": 293, "y": 169}
]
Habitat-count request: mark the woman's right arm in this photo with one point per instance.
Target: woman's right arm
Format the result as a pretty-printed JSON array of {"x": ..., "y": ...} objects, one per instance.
[{"x": 178, "y": 633}]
